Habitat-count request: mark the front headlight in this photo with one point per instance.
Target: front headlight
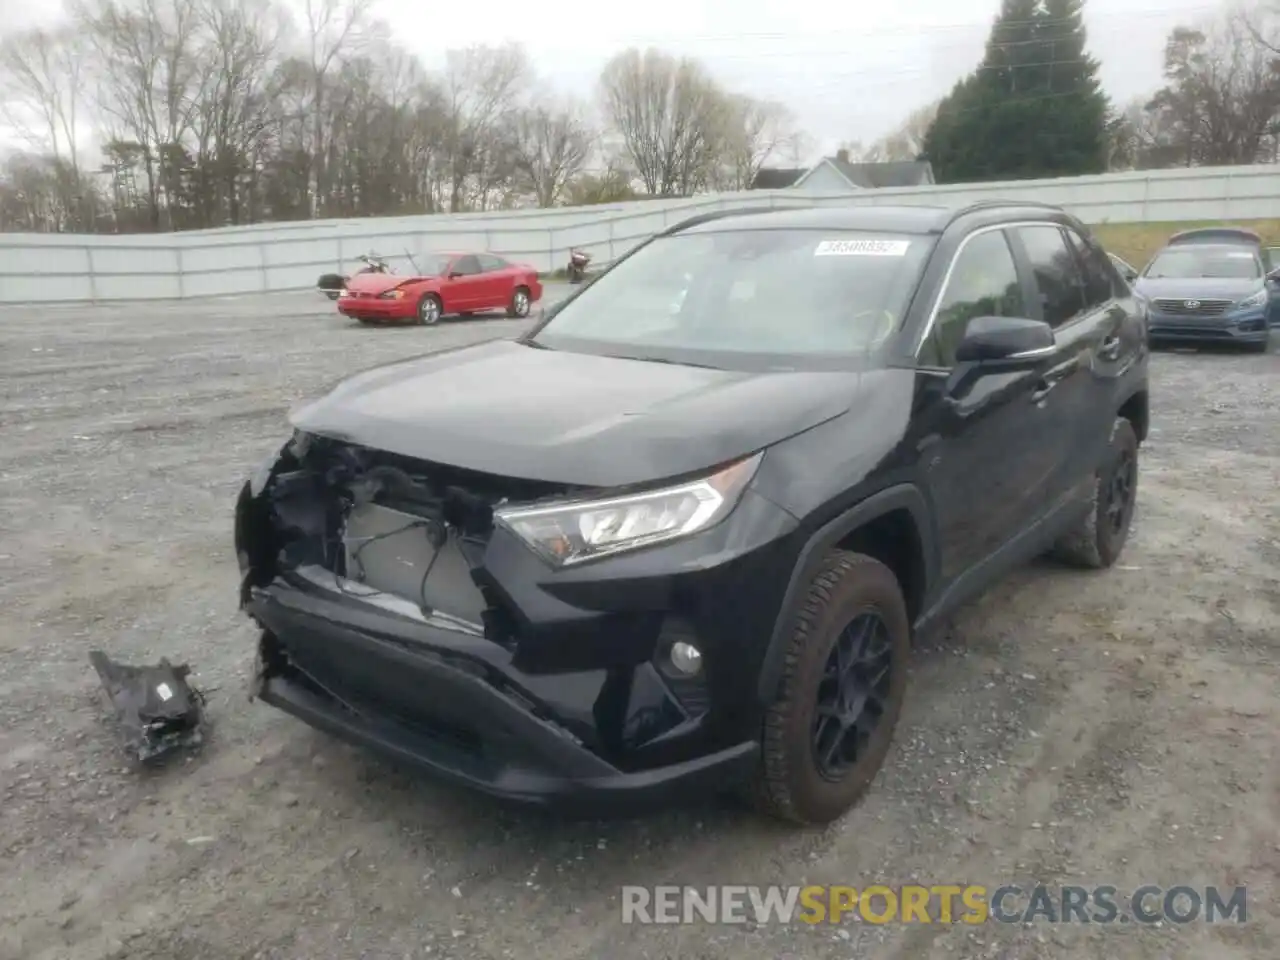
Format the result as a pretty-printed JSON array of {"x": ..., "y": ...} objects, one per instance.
[
  {"x": 1253, "y": 300},
  {"x": 396, "y": 294},
  {"x": 571, "y": 532}
]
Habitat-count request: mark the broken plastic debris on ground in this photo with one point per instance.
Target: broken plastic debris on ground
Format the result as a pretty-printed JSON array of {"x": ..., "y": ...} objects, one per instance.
[{"x": 158, "y": 712}]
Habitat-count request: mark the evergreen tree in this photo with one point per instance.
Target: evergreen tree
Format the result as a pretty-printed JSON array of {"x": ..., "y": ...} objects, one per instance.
[{"x": 1032, "y": 108}]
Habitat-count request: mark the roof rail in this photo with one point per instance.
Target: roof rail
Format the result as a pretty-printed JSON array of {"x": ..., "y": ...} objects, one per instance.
[
  {"x": 713, "y": 215},
  {"x": 988, "y": 204}
]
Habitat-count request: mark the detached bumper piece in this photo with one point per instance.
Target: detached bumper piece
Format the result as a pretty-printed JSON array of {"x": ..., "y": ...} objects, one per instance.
[
  {"x": 159, "y": 713},
  {"x": 405, "y": 690}
]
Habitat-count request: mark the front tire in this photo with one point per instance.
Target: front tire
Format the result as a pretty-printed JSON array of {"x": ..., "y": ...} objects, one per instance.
[
  {"x": 520, "y": 303},
  {"x": 429, "y": 310},
  {"x": 844, "y": 681},
  {"x": 1097, "y": 541}
]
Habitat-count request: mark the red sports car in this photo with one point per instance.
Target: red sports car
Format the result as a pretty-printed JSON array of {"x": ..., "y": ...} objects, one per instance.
[{"x": 450, "y": 283}]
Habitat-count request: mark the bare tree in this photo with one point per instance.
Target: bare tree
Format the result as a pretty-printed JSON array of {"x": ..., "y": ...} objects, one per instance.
[
  {"x": 1221, "y": 97},
  {"x": 41, "y": 73},
  {"x": 209, "y": 112},
  {"x": 551, "y": 143},
  {"x": 235, "y": 100},
  {"x": 907, "y": 141},
  {"x": 756, "y": 132},
  {"x": 333, "y": 29},
  {"x": 669, "y": 114},
  {"x": 148, "y": 73},
  {"x": 41, "y": 93},
  {"x": 480, "y": 87}
]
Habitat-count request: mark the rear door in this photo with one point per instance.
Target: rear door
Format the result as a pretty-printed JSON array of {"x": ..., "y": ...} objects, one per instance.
[
  {"x": 983, "y": 439},
  {"x": 1078, "y": 299}
]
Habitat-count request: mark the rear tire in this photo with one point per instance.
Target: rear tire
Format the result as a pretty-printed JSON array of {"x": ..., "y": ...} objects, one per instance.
[
  {"x": 521, "y": 302},
  {"x": 850, "y": 595},
  {"x": 1097, "y": 541},
  {"x": 429, "y": 310}
]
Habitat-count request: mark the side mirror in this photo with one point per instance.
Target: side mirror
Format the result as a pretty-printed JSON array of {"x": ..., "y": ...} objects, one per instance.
[
  {"x": 453, "y": 275},
  {"x": 1005, "y": 342}
]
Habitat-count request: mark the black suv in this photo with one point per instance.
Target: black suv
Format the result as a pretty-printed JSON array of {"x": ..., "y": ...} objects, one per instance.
[{"x": 678, "y": 537}]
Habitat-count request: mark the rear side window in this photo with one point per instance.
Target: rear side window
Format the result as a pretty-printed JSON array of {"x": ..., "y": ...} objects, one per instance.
[
  {"x": 983, "y": 283},
  {"x": 1057, "y": 277},
  {"x": 1098, "y": 287},
  {"x": 489, "y": 263}
]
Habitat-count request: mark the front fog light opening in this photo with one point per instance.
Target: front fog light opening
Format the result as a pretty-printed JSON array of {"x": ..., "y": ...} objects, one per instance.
[{"x": 684, "y": 659}]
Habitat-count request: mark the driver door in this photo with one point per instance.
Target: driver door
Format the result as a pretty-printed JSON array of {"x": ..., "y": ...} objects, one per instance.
[
  {"x": 982, "y": 436},
  {"x": 464, "y": 289}
]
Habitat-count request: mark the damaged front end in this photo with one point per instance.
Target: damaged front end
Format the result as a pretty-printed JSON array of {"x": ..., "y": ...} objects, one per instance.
[{"x": 397, "y": 614}]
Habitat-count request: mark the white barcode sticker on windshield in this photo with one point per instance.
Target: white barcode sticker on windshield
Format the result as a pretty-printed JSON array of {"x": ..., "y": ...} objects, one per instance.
[{"x": 862, "y": 248}]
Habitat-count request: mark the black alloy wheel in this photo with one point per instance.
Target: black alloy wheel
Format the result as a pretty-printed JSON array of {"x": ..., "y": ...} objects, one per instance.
[{"x": 852, "y": 695}]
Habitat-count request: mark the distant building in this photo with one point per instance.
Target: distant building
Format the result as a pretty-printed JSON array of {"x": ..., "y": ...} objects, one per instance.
[
  {"x": 838, "y": 173},
  {"x": 777, "y": 178}
]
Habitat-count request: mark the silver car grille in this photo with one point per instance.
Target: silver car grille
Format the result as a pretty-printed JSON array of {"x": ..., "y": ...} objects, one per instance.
[{"x": 1192, "y": 307}]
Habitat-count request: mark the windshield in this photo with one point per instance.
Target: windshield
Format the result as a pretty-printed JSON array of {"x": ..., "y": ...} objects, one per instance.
[
  {"x": 431, "y": 265},
  {"x": 1194, "y": 263},
  {"x": 777, "y": 297}
]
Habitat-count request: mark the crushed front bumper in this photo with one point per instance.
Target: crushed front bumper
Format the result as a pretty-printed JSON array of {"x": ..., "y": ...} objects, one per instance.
[
  {"x": 371, "y": 309},
  {"x": 478, "y": 730}
]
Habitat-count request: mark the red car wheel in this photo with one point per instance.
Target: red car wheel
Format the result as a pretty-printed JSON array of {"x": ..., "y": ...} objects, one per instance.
[
  {"x": 520, "y": 303},
  {"x": 429, "y": 310}
]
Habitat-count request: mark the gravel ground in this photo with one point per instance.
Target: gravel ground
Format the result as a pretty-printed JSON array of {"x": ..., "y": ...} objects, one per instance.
[{"x": 1116, "y": 728}]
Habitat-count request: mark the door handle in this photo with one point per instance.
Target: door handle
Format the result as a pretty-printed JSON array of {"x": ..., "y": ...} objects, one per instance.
[
  {"x": 1109, "y": 349},
  {"x": 1050, "y": 379},
  {"x": 1043, "y": 387}
]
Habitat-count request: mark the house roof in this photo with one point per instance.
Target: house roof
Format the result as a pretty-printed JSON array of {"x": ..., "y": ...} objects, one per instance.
[
  {"x": 900, "y": 173},
  {"x": 777, "y": 178}
]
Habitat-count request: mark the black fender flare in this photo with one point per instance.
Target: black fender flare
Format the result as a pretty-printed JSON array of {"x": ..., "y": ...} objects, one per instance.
[{"x": 899, "y": 497}]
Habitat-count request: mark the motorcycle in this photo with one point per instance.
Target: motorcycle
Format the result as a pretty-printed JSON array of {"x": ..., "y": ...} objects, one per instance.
[
  {"x": 577, "y": 270},
  {"x": 331, "y": 284}
]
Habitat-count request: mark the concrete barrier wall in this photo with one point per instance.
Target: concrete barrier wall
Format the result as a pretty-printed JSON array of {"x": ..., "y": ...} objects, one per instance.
[{"x": 36, "y": 268}]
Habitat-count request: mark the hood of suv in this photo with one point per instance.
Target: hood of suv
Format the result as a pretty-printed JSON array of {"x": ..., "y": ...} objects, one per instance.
[
  {"x": 1207, "y": 288},
  {"x": 513, "y": 410}
]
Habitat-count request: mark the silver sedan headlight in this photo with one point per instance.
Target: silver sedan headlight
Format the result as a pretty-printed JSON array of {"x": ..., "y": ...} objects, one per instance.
[
  {"x": 1253, "y": 300},
  {"x": 573, "y": 531}
]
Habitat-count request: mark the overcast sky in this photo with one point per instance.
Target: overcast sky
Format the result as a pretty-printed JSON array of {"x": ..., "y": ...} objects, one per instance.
[{"x": 850, "y": 71}]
